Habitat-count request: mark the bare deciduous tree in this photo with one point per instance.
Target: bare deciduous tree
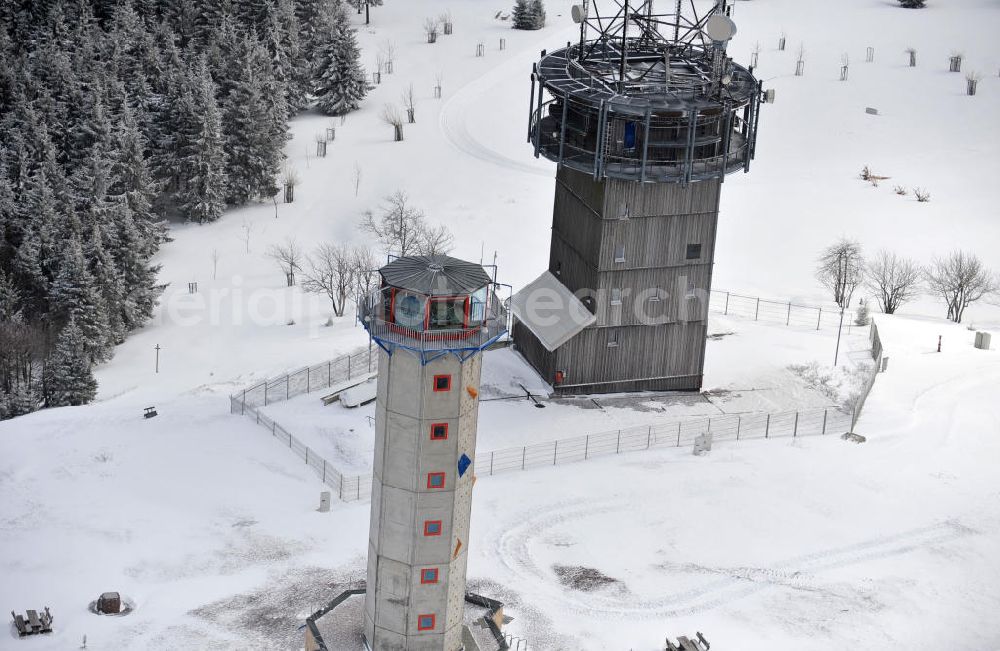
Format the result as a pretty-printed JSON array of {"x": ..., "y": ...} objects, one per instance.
[
  {"x": 431, "y": 29},
  {"x": 410, "y": 104},
  {"x": 289, "y": 258},
  {"x": 391, "y": 116},
  {"x": 357, "y": 178},
  {"x": 366, "y": 276},
  {"x": 399, "y": 226},
  {"x": 388, "y": 50},
  {"x": 960, "y": 279},
  {"x": 330, "y": 272},
  {"x": 840, "y": 270},
  {"x": 435, "y": 240},
  {"x": 892, "y": 279},
  {"x": 246, "y": 231}
]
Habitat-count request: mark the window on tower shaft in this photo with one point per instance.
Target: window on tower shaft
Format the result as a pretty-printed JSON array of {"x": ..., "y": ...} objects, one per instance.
[
  {"x": 435, "y": 480},
  {"x": 693, "y": 251},
  {"x": 442, "y": 383},
  {"x": 432, "y": 527},
  {"x": 439, "y": 431},
  {"x": 426, "y": 622},
  {"x": 429, "y": 575}
]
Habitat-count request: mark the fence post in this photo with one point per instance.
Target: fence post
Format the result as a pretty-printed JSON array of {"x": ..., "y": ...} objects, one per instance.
[
  {"x": 678, "y": 434},
  {"x": 349, "y": 377},
  {"x": 329, "y": 374},
  {"x": 524, "y": 451},
  {"x": 819, "y": 318},
  {"x": 358, "y": 479},
  {"x": 767, "y": 427},
  {"x": 307, "y": 454},
  {"x": 618, "y": 445},
  {"x": 586, "y": 447},
  {"x": 288, "y": 380},
  {"x": 649, "y": 436},
  {"x": 757, "y": 311},
  {"x": 795, "y": 432},
  {"x": 265, "y": 393},
  {"x": 491, "y": 462},
  {"x": 788, "y": 319},
  {"x": 726, "y": 311},
  {"x": 555, "y": 451},
  {"x": 324, "y": 471},
  {"x": 243, "y": 406},
  {"x": 341, "y": 488},
  {"x": 309, "y": 380},
  {"x": 739, "y": 421},
  {"x": 824, "y": 421}
]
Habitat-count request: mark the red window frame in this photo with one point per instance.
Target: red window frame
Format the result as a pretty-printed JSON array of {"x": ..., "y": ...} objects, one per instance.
[
  {"x": 440, "y": 377},
  {"x": 429, "y": 575},
  {"x": 434, "y": 436},
  {"x": 432, "y": 476},
  {"x": 428, "y": 524},
  {"x": 422, "y": 626}
]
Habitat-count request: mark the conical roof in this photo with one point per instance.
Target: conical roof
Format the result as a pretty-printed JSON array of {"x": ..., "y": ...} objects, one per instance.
[{"x": 435, "y": 275}]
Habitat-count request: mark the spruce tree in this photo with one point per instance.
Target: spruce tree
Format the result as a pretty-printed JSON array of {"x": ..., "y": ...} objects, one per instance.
[
  {"x": 138, "y": 276},
  {"x": 131, "y": 180},
  {"x": 68, "y": 377},
  {"x": 537, "y": 12},
  {"x": 75, "y": 297},
  {"x": 521, "y": 15},
  {"x": 203, "y": 160},
  {"x": 339, "y": 80}
]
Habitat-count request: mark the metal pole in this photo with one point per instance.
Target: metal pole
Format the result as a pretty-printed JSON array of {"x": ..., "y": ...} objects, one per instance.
[
  {"x": 836, "y": 352},
  {"x": 678, "y": 434},
  {"x": 157, "y": 358},
  {"x": 824, "y": 422},
  {"x": 757, "y": 311},
  {"x": 555, "y": 452},
  {"x": 491, "y": 463},
  {"x": 586, "y": 447},
  {"x": 767, "y": 427},
  {"x": 618, "y": 446},
  {"x": 726, "y": 311},
  {"x": 524, "y": 450},
  {"x": 649, "y": 436},
  {"x": 819, "y": 318},
  {"x": 788, "y": 319},
  {"x": 795, "y": 432},
  {"x": 324, "y": 471}
]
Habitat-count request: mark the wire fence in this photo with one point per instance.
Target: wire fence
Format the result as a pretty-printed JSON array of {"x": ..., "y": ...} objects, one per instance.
[
  {"x": 677, "y": 434},
  {"x": 772, "y": 311},
  {"x": 311, "y": 378},
  {"x": 881, "y": 363}
]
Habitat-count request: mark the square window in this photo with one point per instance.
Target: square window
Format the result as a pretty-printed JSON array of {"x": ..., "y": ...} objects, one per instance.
[
  {"x": 620, "y": 253},
  {"x": 439, "y": 431},
  {"x": 432, "y": 527},
  {"x": 435, "y": 480},
  {"x": 616, "y": 295},
  {"x": 613, "y": 339},
  {"x": 429, "y": 575},
  {"x": 442, "y": 383},
  {"x": 425, "y": 622},
  {"x": 693, "y": 251}
]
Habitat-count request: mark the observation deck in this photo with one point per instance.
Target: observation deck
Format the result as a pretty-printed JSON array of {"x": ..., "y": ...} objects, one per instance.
[{"x": 643, "y": 109}]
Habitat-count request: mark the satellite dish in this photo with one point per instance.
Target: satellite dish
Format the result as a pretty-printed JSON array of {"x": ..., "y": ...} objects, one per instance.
[
  {"x": 720, "y": 28},
  {"x": 579, "y": 14}
]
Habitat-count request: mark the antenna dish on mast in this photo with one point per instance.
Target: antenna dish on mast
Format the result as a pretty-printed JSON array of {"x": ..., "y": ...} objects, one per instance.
[
  {"x": 720, "y": 28},
  {"x": 579, "y": 13}
]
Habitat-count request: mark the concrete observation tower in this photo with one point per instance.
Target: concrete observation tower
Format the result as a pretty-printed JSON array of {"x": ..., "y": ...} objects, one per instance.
[
  {"x": 645, "y": 116},
  {"x": 431, "y": 318}
]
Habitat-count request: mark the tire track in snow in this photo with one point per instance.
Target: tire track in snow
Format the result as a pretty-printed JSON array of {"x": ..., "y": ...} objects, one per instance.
[
  {"x": 514, "y": 545},
  {"x": 453, "y": 117}
]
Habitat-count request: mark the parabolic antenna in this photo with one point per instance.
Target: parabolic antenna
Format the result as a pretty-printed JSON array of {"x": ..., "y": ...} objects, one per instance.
[
  {"x": 720, "y": 28},
  {"x": 579, "y": 14}
]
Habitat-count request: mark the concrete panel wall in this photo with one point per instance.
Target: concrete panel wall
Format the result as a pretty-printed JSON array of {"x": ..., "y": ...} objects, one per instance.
[{"x": 403, "y": 501}]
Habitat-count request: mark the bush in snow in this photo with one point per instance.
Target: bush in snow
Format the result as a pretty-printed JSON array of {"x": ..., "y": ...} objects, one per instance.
[
  {"x": 862, "y": 316},
  {"x": 913, "y": 4}
]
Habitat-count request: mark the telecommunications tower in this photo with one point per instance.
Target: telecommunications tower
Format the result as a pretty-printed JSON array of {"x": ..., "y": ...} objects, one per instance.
[{"x": 645, "y": 116}]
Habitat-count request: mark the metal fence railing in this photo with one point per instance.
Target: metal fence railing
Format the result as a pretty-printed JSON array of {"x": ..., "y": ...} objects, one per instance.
[
  {"x": 732, "y": 427},
  {"x": 773, "y": 311},
  {"x": 680, "y": 433},
  {"x": 305, "y": 380},
  {"x": 309, "y": 379},
  {"x": 879, "y": 357}
]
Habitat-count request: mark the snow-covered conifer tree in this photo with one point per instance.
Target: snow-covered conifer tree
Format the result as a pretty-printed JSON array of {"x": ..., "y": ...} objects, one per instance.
[
  {"x": 68, "y": 376},
  {"x": 202, "y": 197},
  {"x": 339, "y": 80}
]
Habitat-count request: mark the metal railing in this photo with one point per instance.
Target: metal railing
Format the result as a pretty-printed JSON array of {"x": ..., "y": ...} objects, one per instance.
[
  {"x": 676, "y": 434},
  {"x": 879, "y": 357},
  {"x": 774, "y": 311},
  {"x": 311, "y": 378},
  {"x": 491, "y": 324}
]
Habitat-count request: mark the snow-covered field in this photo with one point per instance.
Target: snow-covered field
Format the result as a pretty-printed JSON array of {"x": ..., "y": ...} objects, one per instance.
[{"x": 210, "y": 528}]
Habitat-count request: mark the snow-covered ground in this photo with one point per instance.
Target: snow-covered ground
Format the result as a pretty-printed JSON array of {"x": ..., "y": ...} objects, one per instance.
[{"x": 814, "y": 544}]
